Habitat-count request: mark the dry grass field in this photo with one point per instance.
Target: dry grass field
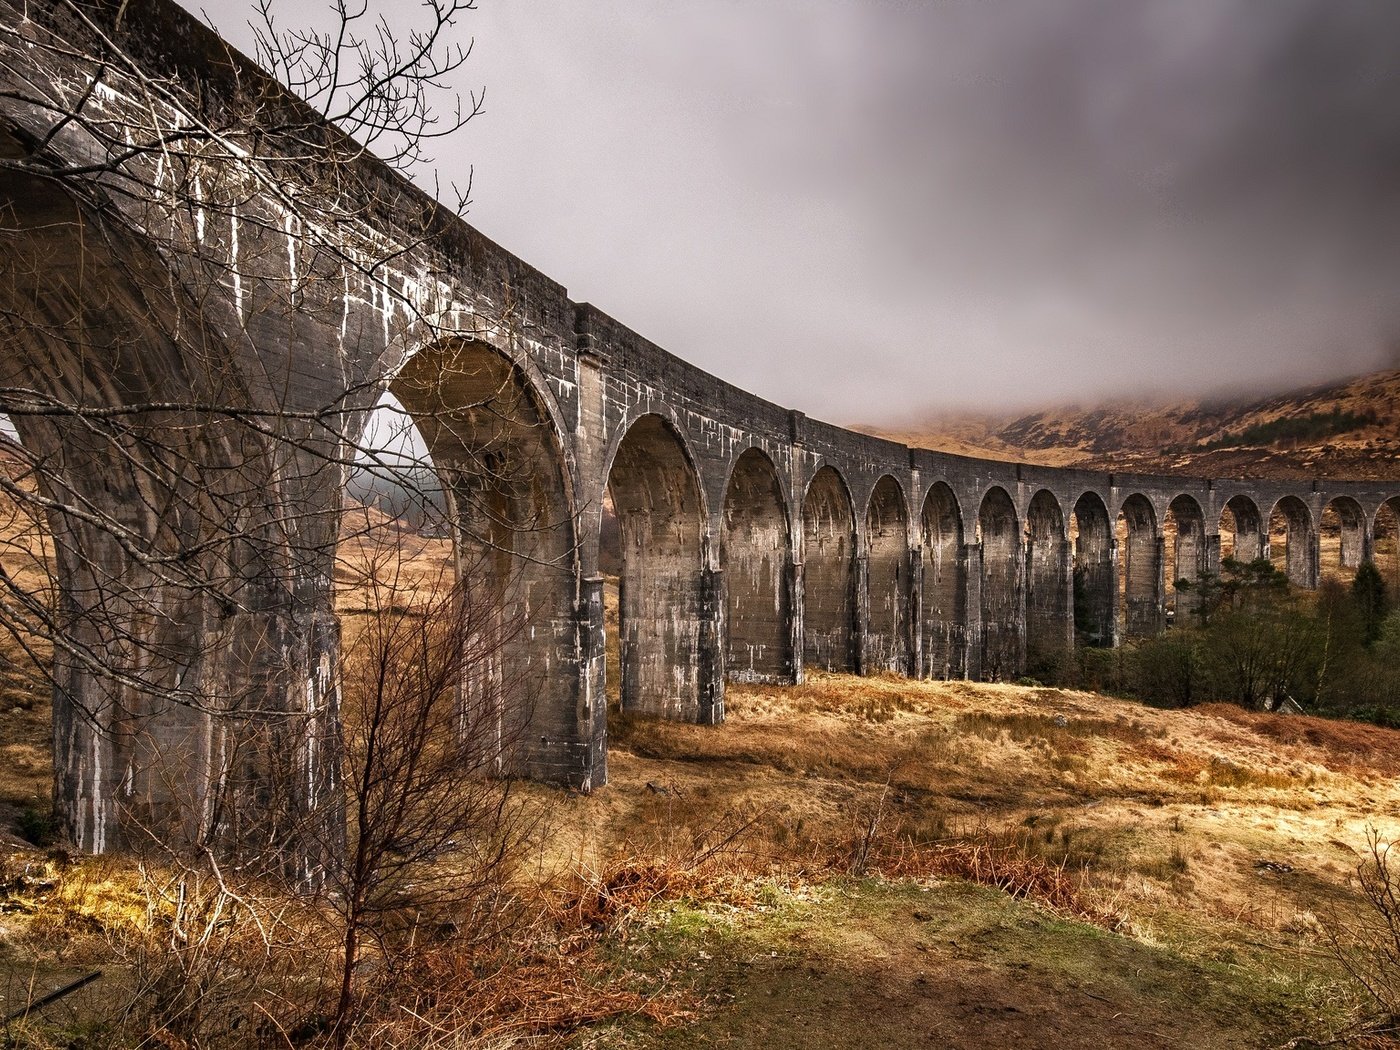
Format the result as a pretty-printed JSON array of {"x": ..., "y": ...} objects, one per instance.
[
  {"x": 852, "y": 862},
  {"x": 857, "y": 862},
  {"x": 1213, "y": 847}
]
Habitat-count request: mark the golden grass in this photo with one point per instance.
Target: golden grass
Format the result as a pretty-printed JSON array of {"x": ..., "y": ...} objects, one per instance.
[
  {"x": 1150, "y": 815},
  {"x": 1203, "y": 828},
  {"x": 1356, "y": 748}
]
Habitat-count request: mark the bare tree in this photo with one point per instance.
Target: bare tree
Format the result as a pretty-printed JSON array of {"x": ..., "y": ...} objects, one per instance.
[
  {"x": 210, "y": 275},
  {"x": 430, "y": 724},
  {"x": 1367, "y": 947}
]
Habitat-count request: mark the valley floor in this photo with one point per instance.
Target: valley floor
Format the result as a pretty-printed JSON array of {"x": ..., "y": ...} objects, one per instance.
[
  {"x": 880, "y": 862},
  {"x": 1211, "y": 853}
]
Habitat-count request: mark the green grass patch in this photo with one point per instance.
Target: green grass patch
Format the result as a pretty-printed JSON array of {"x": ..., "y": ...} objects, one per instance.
[{"x": 863, "y": 962}]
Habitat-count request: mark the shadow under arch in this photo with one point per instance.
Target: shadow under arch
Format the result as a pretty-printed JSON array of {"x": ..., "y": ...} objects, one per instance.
[
  {"x": 511, "y": 512},
  {"x": 1095, "y": 598},
  {"x": 1341, "y": 539},
  {"x": 756, "y": 556},
  {"x": 1385, "y": 543},
  {"x": 1049, "y": 620},
  {"x": 828, "y": 555},
  {"x": 1002, "y": 568},
  {"x": 1291, "y": 522},
  {"x": 1241, "y": 530},
  {"x": 1141, "y": 608},
  {"x": 1185, "y": 554},
  {"x": 887, "y": 579},
  {"x": 671, "y": 659},
  {"x": 945, "y": 586}
]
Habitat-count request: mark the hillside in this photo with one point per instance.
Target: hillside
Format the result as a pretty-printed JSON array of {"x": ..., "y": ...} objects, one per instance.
[{"x": 1349, "y": 429}]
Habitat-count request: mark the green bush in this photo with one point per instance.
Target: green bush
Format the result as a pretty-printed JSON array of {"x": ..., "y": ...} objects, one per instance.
[{"x": 35, "y": 826}]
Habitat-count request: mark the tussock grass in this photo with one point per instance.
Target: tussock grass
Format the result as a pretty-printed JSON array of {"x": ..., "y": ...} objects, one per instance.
[
  {"x": 1007, "y": 859},
  {"x": 1355, "y": 748},
  {"x": 1142, "y": 823}
]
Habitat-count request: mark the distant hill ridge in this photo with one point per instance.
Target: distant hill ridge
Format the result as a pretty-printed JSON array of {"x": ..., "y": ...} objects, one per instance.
[{"x": 1347, "y": 429}]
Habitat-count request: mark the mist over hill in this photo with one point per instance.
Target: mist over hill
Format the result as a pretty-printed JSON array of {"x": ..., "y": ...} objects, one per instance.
[
  {"x": 400, "y": 489},
  {"x": 1346, "y": 429}
]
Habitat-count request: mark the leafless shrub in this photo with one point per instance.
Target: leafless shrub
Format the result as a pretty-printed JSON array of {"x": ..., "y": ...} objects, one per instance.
[
  {"x": 1367, "y": 944},
  {"x": 214, "y": 963},
  {"x": 431, "y": 723}
]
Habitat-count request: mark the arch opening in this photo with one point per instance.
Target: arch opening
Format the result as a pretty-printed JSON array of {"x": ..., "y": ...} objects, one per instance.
[
  {"x": 1094, "y": 583},
  {"x": 755, "y": 555},
  {"x": 1049, "y": 590},
  {"x": 887, "y": 579},
  {"x": 1002, "y": 569},
  {"x": 28, "y": 582},
  {"x": 509, "y": 511},
  {"x": 828, "y": 553},
  {"x": 1241, "y": 530},
  {"x": 1385, "y": 544},
  {"x": 945, "y": 586},
  {"x": 1292, "y": 541},
  {"x": 665, "y": 594},
  {"x": 1341, "y": 540},
  {"x": 1140, "y": 600},
  {"x": 1184, "y": 552}
]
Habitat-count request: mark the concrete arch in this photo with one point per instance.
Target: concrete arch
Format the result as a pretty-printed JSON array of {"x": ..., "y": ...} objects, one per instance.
[
  {"x": 755, "y": 556},
  {"x": 1049, "y": 615},
  {"x": 1343, "y": 539},
  {"x": 887, "y": 579},
  {"x": 671, "y": 663},
  {"x": 1095, "y": 585},
  {"x": 1291, "y": 528},
  {"x": 527, "y": 376},
  {"x": 1141, "y": 611},
  {"x": 1385, "y": 543},
  {"x": 501, "y": 460},
  {"x": 1242, "y": 532},
  {"x": 743, "y": 454},
  {"x": 674, "y": 425},
  {"x": 944, "y": 585},
  {"x": 1003, "y": 601},
  {"x": 1186, "y": 555},
  {"x": 828, "y": 556}
]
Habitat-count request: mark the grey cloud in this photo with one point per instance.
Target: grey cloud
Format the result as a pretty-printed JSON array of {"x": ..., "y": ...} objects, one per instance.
[{"x": 866, "y": 209}]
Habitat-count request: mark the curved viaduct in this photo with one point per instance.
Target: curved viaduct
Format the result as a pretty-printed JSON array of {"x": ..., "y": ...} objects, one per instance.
[
  {"x": 758, "y": 543},
  {"x": 755, "y": 543}
]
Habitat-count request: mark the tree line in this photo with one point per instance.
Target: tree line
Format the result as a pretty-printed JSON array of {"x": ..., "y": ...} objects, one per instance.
[{"x": 1244, "y": 635}]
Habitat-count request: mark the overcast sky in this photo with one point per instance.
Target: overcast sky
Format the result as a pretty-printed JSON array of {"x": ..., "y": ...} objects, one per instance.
[{"x": 866, "y": 210}]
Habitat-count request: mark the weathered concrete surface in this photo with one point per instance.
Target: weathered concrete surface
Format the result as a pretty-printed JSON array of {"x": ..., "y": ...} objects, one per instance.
[{"x": 755, "y": 542}]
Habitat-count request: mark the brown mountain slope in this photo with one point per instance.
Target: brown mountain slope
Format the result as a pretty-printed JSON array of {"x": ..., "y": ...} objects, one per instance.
[{"x": 1349, "y": 429}]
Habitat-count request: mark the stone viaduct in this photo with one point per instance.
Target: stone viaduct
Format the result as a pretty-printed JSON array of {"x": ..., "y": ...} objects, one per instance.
[{"x": 756, "y": 543}]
